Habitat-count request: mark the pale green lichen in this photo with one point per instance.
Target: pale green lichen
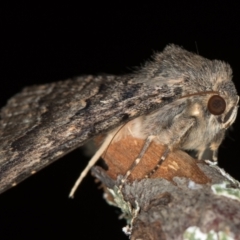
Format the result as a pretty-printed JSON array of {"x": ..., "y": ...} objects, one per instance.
[
  {"x": 194, "y": 233},
  {"x": 222, "y": 189},
  {"x": 223, "y": 172},
  {"x": 128, "y": 212}
]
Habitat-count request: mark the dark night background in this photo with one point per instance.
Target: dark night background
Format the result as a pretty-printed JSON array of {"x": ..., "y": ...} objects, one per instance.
[{"x": 44, "y": 43}]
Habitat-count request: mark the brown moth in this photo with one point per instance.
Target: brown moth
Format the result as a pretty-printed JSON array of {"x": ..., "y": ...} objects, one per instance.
[{"x": 179, "y": 99}]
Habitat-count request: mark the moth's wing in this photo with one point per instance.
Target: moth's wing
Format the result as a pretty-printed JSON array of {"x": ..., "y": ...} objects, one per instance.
[{"x": 43, "y": 123}]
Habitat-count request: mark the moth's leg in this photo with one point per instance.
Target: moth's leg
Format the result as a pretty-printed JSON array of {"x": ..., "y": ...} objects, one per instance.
[
  {"x": 205, "y": 153},
  {"x": 210, "y": 152},
  {"x": 137, "y": 160},
  {"x": 216, "y": 143},
  {"x": 181, "y": 128},
  {"x": 163, "y": 157},
  {"x": 93, "y": 160}
]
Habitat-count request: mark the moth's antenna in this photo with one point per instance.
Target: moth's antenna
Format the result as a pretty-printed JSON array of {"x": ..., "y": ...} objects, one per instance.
[
  {"x": 115, "y": 134},
  {"x": 200, "y": 94},
  {"x": 93, "y": 160},
  {"x": 196, "y": 47}
]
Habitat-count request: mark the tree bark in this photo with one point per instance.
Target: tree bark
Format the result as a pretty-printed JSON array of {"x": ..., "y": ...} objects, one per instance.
[{"x": 183, "y": 199}]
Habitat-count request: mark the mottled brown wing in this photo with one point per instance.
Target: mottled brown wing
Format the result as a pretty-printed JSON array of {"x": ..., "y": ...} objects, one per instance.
[{"x": 43, "y": 123}]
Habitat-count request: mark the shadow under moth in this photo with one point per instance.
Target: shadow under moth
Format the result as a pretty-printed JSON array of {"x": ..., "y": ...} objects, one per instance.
[{"x": 178, "y": 99}]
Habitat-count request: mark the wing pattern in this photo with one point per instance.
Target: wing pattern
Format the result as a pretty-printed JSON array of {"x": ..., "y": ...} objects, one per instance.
[{"x": 43, "y": 123}]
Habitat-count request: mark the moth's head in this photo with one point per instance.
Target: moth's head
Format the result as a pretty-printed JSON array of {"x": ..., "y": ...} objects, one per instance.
[
  {"x": 209, "y": 80},
  {"x": 219, "y": 109},
  {"x": 224, "y": 108},
  {"x": 216, "y": 90}
]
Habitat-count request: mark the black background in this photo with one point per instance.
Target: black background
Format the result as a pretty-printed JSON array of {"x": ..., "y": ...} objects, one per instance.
[{"x": 44, "y": 43}]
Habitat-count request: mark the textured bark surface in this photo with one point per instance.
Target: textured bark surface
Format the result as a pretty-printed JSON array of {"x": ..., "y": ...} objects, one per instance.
[{"x": 178, "y": 196}]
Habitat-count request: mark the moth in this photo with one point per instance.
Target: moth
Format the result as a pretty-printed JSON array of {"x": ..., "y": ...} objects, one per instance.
[{"x": 178, "y": 99}]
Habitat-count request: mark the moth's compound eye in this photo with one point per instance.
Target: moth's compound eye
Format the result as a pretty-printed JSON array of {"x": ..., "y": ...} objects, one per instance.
[{"x": 216, "y": 105}]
